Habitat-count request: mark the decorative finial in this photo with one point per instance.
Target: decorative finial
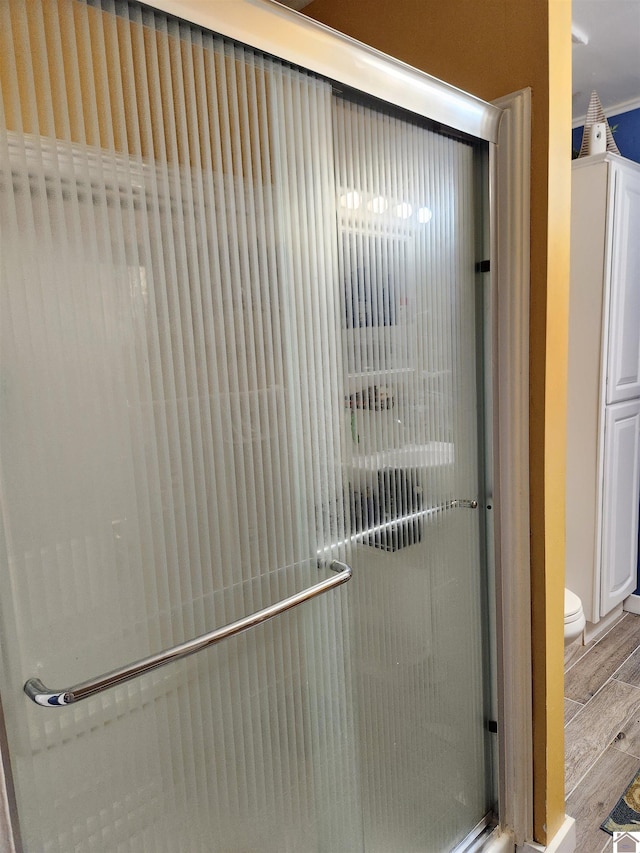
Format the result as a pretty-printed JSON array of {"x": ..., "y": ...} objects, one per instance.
[{"x": 596, "y": 116}]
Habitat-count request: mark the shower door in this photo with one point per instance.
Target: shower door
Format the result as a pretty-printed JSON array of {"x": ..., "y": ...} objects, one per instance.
[
  {"x": 241, "y": 342},
  {"x": 408, "y": 224}
]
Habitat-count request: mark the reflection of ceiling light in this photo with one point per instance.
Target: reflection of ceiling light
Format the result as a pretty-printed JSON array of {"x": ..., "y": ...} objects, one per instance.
[
  {"x": 424, "y": 215},
  {"x": 350, "y": 200},
  {"x": 403, "y": 211},
  {"x": 378, "y": 204}
]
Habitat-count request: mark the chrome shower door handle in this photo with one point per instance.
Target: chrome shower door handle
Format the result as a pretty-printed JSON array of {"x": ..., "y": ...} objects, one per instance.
[{"x": 51, "y": 698}]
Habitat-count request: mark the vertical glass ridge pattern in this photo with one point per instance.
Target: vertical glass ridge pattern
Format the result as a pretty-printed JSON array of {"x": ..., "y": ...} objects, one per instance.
[
  {"x": 170, "y": 434},
  {"x": 238, "y": 334},
  {"x": 407, "y": 236}
]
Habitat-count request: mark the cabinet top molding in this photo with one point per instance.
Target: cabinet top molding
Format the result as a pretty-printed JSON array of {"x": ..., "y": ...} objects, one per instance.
[{"x": 607, "y": 157}]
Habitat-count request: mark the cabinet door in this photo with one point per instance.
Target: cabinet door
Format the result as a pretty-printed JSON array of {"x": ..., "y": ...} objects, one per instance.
[
  {"x": 621, "y": 493},
  {"x": 623, "y": 372}
]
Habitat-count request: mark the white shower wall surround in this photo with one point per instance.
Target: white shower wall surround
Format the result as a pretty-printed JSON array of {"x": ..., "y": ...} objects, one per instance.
[{"x": 239, "y": 329}]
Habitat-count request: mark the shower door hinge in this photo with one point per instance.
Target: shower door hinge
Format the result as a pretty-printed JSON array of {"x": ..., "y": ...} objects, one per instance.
[
  {"x": 492, "y": 725},
  {"x": 483, "y": 266}
]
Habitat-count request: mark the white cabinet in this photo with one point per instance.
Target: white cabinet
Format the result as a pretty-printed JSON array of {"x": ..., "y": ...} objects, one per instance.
[
  {"x": 624, "y": 340},
  {"x": 620, "y": 495},
  {"x": 603, "y": 412}
]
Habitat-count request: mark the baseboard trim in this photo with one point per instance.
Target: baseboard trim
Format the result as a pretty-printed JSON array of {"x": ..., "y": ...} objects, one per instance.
[
  {"x": 595, "y": 630},
  {"x": 564, "y": 841},
  {"x": 632, "y": 604}
]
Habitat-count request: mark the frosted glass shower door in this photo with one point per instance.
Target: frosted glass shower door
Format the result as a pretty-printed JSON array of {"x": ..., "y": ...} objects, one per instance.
[
  {"x": 241, "y": 340},
  {"x": 169, "y": 438},
  {"x": 409, "y": 228}
]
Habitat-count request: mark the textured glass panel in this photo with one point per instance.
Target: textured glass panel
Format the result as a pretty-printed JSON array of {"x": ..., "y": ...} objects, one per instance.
[
  {"x": 238, "y": 336},
  {"x": 170, "y": 435},
  {"x": 410, "y": 334}
]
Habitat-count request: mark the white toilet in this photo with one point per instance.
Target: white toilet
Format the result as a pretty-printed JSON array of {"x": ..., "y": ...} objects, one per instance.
[{"x": 574, "y": 620}]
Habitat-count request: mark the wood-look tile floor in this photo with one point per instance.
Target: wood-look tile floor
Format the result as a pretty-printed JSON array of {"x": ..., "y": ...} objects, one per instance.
[{"x": 602, "y": 728}]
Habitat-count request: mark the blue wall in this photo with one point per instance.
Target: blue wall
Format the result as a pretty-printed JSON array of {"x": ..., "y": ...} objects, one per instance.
[{"x": 626, "y": 134}]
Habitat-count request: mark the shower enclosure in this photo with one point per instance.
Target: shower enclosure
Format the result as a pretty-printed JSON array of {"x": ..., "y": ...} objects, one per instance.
[{"x": 246, "y": 547}]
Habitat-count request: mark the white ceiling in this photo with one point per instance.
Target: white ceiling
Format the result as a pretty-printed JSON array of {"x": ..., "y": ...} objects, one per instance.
[{"x": 608, "y": 63}]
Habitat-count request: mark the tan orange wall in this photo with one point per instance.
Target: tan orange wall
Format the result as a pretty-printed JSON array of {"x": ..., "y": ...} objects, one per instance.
[
  {"x": 492, "y": 48},
  {"x": 557, "y": 294}
]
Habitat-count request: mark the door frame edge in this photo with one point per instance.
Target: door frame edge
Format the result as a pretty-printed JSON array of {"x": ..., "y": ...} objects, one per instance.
[{"x": 510, "y": 213}]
